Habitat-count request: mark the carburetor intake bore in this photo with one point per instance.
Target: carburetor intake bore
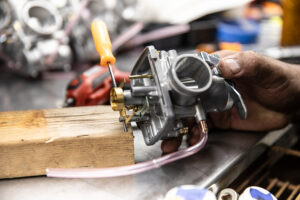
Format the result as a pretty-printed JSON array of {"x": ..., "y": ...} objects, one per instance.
[{"x": 190, "y": 76}]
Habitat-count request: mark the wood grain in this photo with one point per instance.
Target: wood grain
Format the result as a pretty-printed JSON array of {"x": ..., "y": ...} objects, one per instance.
[{"x": 31, "y": 141}]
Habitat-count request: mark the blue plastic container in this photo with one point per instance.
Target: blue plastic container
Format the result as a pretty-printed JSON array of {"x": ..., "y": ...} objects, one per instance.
[{"x": 242, "y": 31}]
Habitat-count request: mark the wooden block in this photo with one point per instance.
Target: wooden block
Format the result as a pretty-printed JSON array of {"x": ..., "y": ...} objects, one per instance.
[{"x": 31, "y": 141}]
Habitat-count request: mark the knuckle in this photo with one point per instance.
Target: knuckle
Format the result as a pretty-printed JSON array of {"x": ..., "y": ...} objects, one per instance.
[
  {"x": 249, "y": 60},
  {"x": 249, "y": 55}
]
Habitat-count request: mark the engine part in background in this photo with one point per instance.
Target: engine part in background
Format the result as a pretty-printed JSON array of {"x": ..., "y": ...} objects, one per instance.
[
  {"x": 41, "y": 35},
  {"x": 68, "y": 27},
  {"x": 5, "y": 14},
  {"x": 111, "y": 12},
  {"x": 32, "y": 37},
  {"x": 164, "y": 94},
  {"x": 41, "y": 17},
  {"x": 81, "y": 39}
]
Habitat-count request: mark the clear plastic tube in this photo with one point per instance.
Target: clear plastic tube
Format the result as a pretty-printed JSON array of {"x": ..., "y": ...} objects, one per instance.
[{"x": 131, "y": 169}]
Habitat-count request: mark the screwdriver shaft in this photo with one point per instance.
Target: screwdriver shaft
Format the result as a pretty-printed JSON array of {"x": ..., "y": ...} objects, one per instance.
[{"x": 112, "y": 75}]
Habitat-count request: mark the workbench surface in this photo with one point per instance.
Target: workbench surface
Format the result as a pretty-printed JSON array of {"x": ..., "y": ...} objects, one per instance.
[{"x": 225, "y": 156}]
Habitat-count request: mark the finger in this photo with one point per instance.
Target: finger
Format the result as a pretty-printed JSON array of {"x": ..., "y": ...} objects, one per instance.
[
  {"x": 256, "y": 70},
  {"x": 229, "y": 68},
  {"x": 259, "y": 119},
  {"x": 239, "y": 64},
  {"x": 171, "y": 145},
  {"x": 221, "y": 120}
]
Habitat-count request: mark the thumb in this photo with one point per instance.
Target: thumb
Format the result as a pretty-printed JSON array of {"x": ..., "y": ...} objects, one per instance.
[
  {"x": 250, "y": 66},
  {"x": 240, "y": 64},
  {"x": 229, "y": 67}
]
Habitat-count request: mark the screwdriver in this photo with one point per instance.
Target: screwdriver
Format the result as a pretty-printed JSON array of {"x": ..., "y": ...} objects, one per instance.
[{"x": 103, "y": 46}]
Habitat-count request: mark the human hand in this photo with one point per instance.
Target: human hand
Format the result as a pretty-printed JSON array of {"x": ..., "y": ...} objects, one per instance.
[{"x": 269, "y": 88}]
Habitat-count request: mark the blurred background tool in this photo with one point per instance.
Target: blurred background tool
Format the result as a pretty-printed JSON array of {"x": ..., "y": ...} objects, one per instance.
[{"x": 92, "y": 87}]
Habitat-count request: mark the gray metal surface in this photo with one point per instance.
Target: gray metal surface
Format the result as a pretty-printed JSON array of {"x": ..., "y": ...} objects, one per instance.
[{"x": 223, "y": 159}]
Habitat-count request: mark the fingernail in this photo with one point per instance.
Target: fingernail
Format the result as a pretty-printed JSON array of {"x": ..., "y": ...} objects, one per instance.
[{"x": 233, "y": 65}]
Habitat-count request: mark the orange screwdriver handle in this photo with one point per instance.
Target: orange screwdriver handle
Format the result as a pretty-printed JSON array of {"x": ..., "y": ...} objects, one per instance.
[{"x": 102, "y": 43}]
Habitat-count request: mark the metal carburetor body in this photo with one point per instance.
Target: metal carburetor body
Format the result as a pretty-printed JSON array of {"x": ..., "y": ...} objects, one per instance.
[{"x": 166, "y": 89}]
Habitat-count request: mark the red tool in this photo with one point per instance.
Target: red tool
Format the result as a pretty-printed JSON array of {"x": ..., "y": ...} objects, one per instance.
[{"x": 92, "y": 87}]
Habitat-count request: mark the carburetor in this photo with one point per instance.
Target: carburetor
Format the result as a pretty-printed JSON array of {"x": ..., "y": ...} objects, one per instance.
[{"x": 166, "y": 89}]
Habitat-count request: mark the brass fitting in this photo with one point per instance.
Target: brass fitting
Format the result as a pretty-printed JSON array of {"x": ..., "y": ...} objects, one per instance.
[{"x": 117, "y": 99}]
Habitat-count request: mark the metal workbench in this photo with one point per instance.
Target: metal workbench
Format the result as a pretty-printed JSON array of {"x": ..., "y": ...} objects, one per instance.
[{"x": 225, "y": 156}]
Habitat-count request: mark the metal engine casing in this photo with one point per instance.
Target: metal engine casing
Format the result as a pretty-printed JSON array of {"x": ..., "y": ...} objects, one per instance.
[
  {"x": 32, "y": 35},
  {"x": 182, "y": 86},
  {"x": 31, "y": 31}
]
